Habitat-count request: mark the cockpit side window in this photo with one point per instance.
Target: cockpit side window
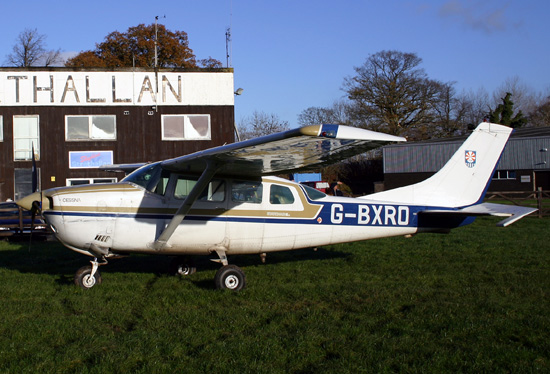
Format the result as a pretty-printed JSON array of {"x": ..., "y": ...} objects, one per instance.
[
  {"x": 215, "y": 191},
  {"x": 280, "y": 195},
  {"x": 184, "y": 185}
]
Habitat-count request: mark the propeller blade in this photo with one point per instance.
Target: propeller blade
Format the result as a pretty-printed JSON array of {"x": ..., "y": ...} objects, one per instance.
[
  {"x": 34, "y": 172},
  {"x": 35, "y": 208}
]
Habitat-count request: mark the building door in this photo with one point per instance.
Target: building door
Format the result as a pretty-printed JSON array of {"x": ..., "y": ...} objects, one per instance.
[
  {"x": 22, "y": 185},
  {"x": 542, "y": 179}
]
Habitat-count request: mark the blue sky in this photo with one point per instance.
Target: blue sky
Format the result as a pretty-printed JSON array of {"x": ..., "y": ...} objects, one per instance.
[{"x": 289, "y": 55}]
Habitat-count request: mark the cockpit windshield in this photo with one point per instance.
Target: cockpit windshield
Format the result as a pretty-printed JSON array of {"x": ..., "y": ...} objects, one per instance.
[
  {"x": 312, "y": 193},
  {"x": 147, "y": 176}
]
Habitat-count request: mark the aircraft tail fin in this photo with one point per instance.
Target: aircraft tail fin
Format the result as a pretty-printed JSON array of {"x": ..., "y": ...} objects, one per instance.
[{"x": 464, "y": 179}]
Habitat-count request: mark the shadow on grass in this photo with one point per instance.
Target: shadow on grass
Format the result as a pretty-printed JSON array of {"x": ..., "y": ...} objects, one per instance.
[{"x": 54, "y": 259}]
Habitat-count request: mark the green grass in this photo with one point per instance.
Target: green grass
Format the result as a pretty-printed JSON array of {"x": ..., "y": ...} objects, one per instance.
[{"x": 476, "y": 300}]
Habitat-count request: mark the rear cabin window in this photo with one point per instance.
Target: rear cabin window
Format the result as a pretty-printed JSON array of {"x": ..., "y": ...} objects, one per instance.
[
  {"x": 214, "y": 192},
  {"x": 280, "y": 195},
  {"x": 247, "y": 192}
]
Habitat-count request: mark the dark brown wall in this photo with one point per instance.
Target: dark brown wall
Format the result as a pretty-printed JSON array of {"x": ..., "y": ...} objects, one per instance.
[{"x": 138, "y": 139}]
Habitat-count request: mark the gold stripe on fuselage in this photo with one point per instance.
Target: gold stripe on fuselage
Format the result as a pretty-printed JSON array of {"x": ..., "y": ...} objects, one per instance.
[{"x": 309, "y": 211}]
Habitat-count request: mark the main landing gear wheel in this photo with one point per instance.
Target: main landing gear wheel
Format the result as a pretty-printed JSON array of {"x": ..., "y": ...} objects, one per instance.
[
  {"x": 84, "y": 278},
  {"x": 182, "y": 266},
  {"x": 230, "y": 277}
]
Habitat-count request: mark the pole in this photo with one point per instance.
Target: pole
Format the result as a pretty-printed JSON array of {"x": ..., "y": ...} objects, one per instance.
[{"x": 539, "y": 201}]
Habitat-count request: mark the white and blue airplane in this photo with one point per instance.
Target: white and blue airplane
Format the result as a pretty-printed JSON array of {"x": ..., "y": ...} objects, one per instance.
[{"x": 226, "y": 201}]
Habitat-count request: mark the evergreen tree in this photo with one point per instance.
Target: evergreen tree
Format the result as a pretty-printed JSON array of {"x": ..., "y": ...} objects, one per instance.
[{"x": 504, "y": 114}]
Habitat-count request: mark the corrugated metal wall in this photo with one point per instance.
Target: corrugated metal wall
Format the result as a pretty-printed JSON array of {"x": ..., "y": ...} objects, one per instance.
[
  {"x": 525, "y": 153},
  {"x": 418, "y": 158},
  {"x": 520, "y": 153}
]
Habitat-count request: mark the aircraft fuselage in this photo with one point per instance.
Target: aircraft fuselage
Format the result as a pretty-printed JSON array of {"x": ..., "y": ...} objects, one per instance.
[{"x": 239, "y": 217}]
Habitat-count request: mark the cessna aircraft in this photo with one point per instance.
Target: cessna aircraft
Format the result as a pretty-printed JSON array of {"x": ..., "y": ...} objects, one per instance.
[{"x": 226, "y": 201}]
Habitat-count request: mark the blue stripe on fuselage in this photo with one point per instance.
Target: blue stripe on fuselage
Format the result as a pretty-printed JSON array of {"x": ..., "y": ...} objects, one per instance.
[{"x": 332, "y": 213}]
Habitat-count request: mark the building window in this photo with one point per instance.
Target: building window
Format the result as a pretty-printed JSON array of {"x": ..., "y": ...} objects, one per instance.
[
  {"x": 90, "y": 128},
  {"x": 79, "y": 181},
  {"x": 1, "y": 129},
  {"x": 25, "y": 137},
  {"x": 186, "y": 127},
  {"x": 504, "y": 174}
]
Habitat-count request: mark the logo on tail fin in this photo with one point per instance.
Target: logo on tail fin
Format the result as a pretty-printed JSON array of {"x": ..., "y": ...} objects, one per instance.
[{"x": 470, "y": 159}]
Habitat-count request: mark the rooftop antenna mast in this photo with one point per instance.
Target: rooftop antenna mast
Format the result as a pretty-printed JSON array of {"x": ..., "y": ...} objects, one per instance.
[
  {"x": 156, "y": 39},
  {"x": 228, "y": 47},
  {"x": 228, "y": 61}
]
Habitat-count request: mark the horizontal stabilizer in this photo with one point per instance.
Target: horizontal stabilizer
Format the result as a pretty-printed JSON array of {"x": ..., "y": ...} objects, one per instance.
[{"x": 513, "y": 212}]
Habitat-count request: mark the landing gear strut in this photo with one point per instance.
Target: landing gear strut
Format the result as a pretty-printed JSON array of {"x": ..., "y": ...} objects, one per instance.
[
  {"x": 87, "y": 276},
  {"x": 228, "y": 277}
]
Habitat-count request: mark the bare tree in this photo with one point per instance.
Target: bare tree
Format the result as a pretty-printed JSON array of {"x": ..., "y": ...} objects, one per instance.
[
  {"x": 30, "y": 50},
  {"x": 540, "y": 117},
  {"x": 260, "y": 124},
  {"x": 476, "y": 106},
  {"x": 391, "y": 93},
  {"x": 338, "y": 113},
  {"x": 52, "y": 58},
  {"x": 447, "y": 112}
]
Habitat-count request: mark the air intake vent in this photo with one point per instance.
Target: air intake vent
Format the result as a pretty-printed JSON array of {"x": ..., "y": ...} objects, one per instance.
[{"x": 102, "y": 238}]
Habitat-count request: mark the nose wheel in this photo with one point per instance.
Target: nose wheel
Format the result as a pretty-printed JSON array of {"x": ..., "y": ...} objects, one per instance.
[{"x": 87, "y": 276}]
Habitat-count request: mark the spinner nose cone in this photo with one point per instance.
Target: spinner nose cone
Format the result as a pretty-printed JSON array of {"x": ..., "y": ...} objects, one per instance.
[{"x": 26, "y": 202}]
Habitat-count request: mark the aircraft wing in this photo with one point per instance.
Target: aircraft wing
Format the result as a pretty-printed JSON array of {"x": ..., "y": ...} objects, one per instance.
[
  {"x": 513, "y": 212},
  {"x": 298, "y": 149},
  {"x": 126, "y": 168}
]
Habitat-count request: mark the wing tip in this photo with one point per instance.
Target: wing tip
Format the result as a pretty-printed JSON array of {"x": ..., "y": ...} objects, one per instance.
[{"x": 311, "y": 130}]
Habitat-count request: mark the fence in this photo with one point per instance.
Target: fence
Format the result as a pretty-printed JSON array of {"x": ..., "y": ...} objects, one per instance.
[
  {"x": 534, "y": 199},
  {"x": 14, "y": 221}
]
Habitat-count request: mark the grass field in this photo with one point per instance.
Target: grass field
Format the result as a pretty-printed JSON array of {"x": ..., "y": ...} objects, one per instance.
[{"x": 475, "y": 300}]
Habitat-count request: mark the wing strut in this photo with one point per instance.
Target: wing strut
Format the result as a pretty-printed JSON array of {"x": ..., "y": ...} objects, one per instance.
[{"x": 185, "y": 207}]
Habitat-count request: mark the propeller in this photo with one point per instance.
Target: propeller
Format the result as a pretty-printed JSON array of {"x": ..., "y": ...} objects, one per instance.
[
  {"x": 36, "y": 204},
  {"x": 34, "y": 171}
]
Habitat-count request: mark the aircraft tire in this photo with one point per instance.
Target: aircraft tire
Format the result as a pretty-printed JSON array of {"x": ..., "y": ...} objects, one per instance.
[
  {"x": 230, "y": 277},
  {"x": 83, "y": 279},
  {"x": 182, "y": 266}
]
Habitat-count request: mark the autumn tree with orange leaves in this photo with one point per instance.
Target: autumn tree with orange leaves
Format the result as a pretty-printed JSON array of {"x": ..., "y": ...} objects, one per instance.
[{"x": 136, "y": 47}]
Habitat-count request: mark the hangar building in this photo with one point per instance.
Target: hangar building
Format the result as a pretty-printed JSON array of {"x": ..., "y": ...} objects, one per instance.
[
  {"x": 79, "y": 119},
  {"x": 524, "y": 164}
]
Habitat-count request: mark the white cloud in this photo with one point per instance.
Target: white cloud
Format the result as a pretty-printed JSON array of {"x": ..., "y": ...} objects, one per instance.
[{"x": 488, "y": 16}]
